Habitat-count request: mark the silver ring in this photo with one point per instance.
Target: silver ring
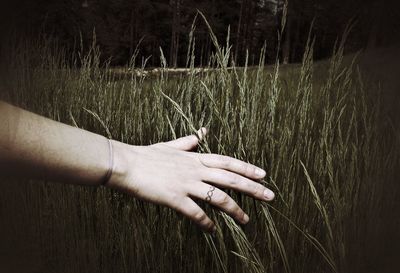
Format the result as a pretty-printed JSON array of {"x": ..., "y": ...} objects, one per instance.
[{"x": 210, "y": 194}]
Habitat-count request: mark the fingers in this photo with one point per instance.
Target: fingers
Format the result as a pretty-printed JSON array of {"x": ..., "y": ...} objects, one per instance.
[
  {"x": 237, "y": 182},
  {"x": 191, "y": 210},
  {"x": 219, "y": 199},
  {"x": 231, "y": 164},
  {"x": 187, "y": 143}
]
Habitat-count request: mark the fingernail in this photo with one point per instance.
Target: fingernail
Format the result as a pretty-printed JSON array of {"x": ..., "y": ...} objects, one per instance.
[
  {"x": 260, "y": 172},
  {"x": 214, "y": 230},
  {"x": 245, "y": 218},
  {"x": 268, "y": 194}
]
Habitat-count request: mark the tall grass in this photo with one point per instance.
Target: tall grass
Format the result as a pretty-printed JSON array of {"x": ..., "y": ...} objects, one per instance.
[{"x": 316, "y": 128}]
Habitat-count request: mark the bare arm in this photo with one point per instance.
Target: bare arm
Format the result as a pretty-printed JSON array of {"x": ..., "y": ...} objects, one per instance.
[
  {"x": 35, "y": 146},
  {"x": 164, "y": 173}
]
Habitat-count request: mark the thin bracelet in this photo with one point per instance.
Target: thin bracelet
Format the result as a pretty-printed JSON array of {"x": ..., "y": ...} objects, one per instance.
[{"x": 111, "y": 165}]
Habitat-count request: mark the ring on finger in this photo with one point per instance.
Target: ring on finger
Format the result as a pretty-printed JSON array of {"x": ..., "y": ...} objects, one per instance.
[{"x": 210, "y": 194}]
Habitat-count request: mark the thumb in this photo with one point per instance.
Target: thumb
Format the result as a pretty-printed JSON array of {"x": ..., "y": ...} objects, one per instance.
[{"x": 187, "y": 143}]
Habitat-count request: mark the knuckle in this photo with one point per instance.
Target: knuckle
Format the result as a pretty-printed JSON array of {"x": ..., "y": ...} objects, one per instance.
[
  {"x": 239, "y": 213},
  {"x": 159, "y": 145},
  {"x": 176, "y": 198},
  {"x": 225, "y": 161},
  {"x": 199, "y": 158},
  {"x": 255, "y": 189},
  {"x": 207, "y": 225},
  {"x": 177, "y": 203},
  {"x": 235, "y": 179},
  {"x": 248, "y": 169},
  {"x": 225, "y": 200},
  {"x": 233, "y": 183},
  {"x": 192, "y": 138},
  {"x": 230, "y": 206},
  {"x": 236, "y": 211},
  {"x": 199, "y": 216},
  {"x": 205, "y": 159}
]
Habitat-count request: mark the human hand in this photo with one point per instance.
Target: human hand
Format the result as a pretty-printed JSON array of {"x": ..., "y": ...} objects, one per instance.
[{"x": 169, "y": 174}]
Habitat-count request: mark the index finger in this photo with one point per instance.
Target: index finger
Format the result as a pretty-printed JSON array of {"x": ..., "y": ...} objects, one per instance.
[{"x": 231, "y": 164}]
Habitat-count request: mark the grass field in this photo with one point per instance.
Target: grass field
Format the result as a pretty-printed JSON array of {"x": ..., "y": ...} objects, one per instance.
[{"x": 321, "y": 130}]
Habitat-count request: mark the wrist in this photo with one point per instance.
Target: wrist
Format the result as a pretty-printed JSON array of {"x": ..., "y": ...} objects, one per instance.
[{"x": 120, "y": 167}]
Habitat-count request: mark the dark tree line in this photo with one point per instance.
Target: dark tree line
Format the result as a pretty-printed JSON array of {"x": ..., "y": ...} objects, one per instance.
[{"x": 121, "y": 25}]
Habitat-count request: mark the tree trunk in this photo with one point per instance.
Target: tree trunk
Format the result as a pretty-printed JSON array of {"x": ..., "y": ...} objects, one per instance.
[
  {"x": 239, "y": 29},
  {"x": 295, "y": 43},
  {"x": 287, "y": 41},
  {"x": 174, "y": 48},
  {"x": 251, "y": 17},
  {"x": 131, "y": 36},
  {"x": 376, "y": 17},
  {"x": 201, "y": 52},
  {"x": 245, "y": 26},
  {"x": 373, "y": 36}
]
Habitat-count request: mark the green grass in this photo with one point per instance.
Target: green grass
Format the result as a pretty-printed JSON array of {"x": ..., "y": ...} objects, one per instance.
[{"x": 316, "y": 128}]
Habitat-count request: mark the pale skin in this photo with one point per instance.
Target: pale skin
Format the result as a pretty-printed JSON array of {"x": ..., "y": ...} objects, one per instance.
[{"x": 166, "y": 173}]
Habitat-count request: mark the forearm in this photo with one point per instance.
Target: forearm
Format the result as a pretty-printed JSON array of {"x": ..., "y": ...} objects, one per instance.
[
  {"x": 35, "y": 146},
  {"x": 164, "y": 173}
]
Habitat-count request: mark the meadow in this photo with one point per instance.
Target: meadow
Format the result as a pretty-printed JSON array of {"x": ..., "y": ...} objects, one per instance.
[{"x": 320, "y": 130}]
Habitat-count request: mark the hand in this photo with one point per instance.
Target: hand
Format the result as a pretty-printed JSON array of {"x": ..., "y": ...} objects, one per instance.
[{"x": 169, "y": 174}]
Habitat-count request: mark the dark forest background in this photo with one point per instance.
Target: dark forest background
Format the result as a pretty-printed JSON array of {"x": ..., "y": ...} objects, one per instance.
[{"x": 120, "y": 25}]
